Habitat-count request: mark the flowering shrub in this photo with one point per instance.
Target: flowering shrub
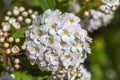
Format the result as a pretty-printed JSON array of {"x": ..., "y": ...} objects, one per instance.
[{"x": 57, "y": 40}]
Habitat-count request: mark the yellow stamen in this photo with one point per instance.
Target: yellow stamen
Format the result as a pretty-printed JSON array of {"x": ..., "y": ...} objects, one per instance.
[
  {"x": 54, "y": 53},
  {"x": 54, "y": 25},
  {"x": 51, "y": 40},
  {"x": 63, "y": 44},
  {"x": 66, "y": 32}
]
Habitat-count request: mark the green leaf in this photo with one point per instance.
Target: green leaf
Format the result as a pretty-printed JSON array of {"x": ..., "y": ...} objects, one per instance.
[
  {"x": 47, "y": 4},
  {"x": 20, "y": 33},
  {"x": 42, "y": 78},
  {"x": 36, "y": 2},
  {"x": 23, "y": 76}
]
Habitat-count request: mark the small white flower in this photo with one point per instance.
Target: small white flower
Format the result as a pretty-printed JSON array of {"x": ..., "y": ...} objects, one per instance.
[
  {"x": 6, "y": 27},
  {"x": 16, "y": 25},
  {"x": 16, "y": 12},
  {"x": 36, "y": 50},
  {"x": 15, "y": 49},
  {"x": 25, "y": 13},
  {"x": 12, "y": 20},
  {"x": 27, "y": 21}
]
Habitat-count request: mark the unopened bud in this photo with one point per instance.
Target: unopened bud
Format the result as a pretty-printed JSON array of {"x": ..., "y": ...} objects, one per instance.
[
  {"x": 86, "y": 13},
  {"x": 9, "y": 13},
  {"x": 17, "y": 61},
  {"x": 17, "y": 66},
  {"x": 30, "y": 11},
  {"x": 61, "y": 72},
  {"x": 2, "y": 39},
  {"x": 17, "y": 40},
  {"x": 79, "y": 75},
  {"x": 8, "y": 51},
  {"x": 6, "y": 45},
  {"x": 10, "y": 39},
  {"x": 23, "y": 47}
]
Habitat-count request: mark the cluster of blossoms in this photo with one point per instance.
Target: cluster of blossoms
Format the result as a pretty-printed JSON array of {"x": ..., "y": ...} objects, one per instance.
[
  {"x": 109, "y": 5},
  {"x": 7, "y": 76},
  {"x": 55, "y": 41},
  {"x": 9, "y": 48},
  {"x": 96, "y": 19},
  {"x": 18, "y": 17},
  {"x": 71, "y": 73}
]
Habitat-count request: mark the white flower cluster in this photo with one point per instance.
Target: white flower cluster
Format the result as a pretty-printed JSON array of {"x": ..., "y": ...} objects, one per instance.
[
  {"x": 56, "y": 40},
  {"x": 74, "y": 6},
  {"x": 7, "y": 76},
  {"x": 18, "y": 17},
  {"x": 96, "y": 19},
  {"x": 109, "y": 5}
]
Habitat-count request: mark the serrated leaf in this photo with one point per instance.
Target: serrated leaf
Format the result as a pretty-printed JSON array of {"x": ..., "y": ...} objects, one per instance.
[
  {"x": 47, "y": 4},
  {"x": 20, "y": 33}
]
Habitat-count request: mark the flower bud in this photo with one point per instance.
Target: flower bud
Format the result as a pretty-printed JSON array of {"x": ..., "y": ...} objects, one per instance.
[
  {"x": 23, "y": 47},
  {"x": 15, "y": 49},
  {"x": 10, "y": 39},
  {"x": 17, "y": 40},
  {"x": 17, "y": 61},
  {"x": 17, "y": 66},
  {"x": 9, "y": 13},
  {"x": 8, "y": 51},
  {"x": 6, "y": 45}
]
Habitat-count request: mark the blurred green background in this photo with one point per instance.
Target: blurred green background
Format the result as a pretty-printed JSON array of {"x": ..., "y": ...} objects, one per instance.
[{"x": 103, "y": 62}]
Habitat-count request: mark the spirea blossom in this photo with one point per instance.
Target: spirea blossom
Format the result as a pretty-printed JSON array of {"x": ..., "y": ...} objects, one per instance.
[
  {"x": 96, "y": 19},
  {"x": 56, "y": 40},
  {"x": 109, "y": 5},
  {"x": 7, "y": 76},
  {"x": 10, "y": 47},
  {"x": 18, "y": 17}
]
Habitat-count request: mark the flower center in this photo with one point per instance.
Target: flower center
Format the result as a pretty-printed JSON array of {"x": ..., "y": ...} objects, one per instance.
[
  {"x": 51, "y": 40},
  {"x": 40, "y": 33},
  {"x": 37, "y": 49},
  {"x": 63, "y": 44},
  {"x": 68, "y": 56},
  {"x": 71, "y": 20},
  {"x": 76, "y": 43},
  {"x": 54, "y": 53},
  {"x": 77, "y": 34},
  {"x": 66, "y": 32},
  {"x": 54, "y": 25}
]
